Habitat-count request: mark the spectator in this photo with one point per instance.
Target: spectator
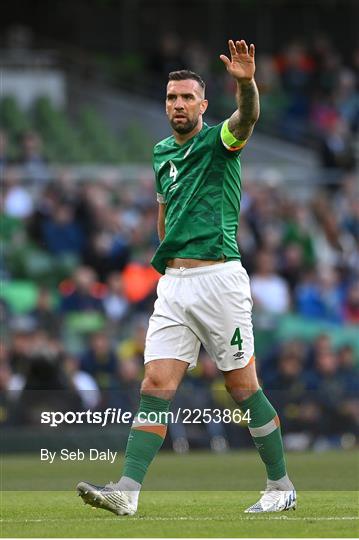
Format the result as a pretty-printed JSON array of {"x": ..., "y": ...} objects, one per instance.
[
  {"x": 347, "y": 98},
  {"x": 197, "y": 59},
  {"x": 84, "y": 384},
  {"x": 45, "y": 208},
  {"x": 330, "y": 390},
  {"x": 139, "y": 282},
  {"x": 100, "y": 361},
  {"x": 332, "y": 244},
  {"x": 168, "y": 56},
  {"x": 106, "y": 253},
  {"x": 270, "y": 291},
  {"x": 351, "y": 307},
  {"x": 61, "y": 233},
  {"x": 348, "y": 374},
  {"x": 10, "y": 385},
  {"x": 23, "y": 329},
  {"x": 46, "y": 388},
  {"x": 298, "y": 410},
  {"x": 351, "y": 219},
  {"x": 296, "y": 68},
  {"x": 336, "y": 149},
  {"x": 18, "y": 202},
  {"x": 298, "y": 232},
  {"x": 115, "y": 304},
  {"x": 321, "y": 296},
  {"x": 32, "y": 159},
  {"x": 292, "y": 265},
  {"x": 44, "y": 313},
  {"x": 348, "y": 370},
  {"x": 82, "y": 292},
  {"x": 4, "y": 158},
  {"x": 132, "y": 348}
]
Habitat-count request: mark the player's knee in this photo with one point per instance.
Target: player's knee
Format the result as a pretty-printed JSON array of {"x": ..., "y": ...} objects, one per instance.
[
  {"x": 240, "y": 394},
  {"x": 242, "y": 383},
  {"x": 155, "y": 385},
  {"x": 241, "y": 390},
  {"x": 150, "y": 382}
]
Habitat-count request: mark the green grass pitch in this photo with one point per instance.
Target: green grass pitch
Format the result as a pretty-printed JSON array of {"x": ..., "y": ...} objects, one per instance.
[{"x": 195, "y": 495}]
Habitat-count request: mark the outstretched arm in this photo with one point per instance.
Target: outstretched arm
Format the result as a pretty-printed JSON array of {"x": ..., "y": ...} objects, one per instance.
[{"x": 242, "y": 67}]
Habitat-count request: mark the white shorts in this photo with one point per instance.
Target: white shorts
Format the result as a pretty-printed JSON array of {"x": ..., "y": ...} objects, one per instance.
[{"x": 211, "y": 305}]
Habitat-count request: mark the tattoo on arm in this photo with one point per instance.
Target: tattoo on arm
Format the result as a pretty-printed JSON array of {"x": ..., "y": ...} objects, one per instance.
[{"x": 241, "y": 122}]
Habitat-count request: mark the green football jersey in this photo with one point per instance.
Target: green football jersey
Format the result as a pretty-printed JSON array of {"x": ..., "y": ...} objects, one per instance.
[{"x": 200, "y": 183}]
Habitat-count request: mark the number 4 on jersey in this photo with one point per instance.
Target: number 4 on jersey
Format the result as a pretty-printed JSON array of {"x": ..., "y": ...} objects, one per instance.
[
  {"x": 236, "y": 338},
  {"x": 173, "y": 171}
]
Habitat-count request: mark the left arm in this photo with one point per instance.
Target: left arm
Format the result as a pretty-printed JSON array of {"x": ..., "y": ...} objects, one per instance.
[
  {"x": 161, "y": 221},
  {"x": 242, "y": 67}
]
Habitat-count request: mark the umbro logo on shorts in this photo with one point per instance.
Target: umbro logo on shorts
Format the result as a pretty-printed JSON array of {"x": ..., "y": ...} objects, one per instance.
[{"x": 239, "y": 355}]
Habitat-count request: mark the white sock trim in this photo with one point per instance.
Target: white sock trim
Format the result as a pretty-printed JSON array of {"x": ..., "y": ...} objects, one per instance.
[
  {"x": 131, "y": 487},
  {"x": 283, "y": 484}
]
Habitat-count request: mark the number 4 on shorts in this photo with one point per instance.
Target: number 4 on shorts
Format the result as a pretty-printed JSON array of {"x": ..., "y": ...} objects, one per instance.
[{"x": 236, "y": 338}]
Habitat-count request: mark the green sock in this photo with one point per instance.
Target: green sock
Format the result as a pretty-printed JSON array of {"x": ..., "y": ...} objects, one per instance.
[
  {"x": 264, "y": 427},
  {"x": 146, "y": 436}
]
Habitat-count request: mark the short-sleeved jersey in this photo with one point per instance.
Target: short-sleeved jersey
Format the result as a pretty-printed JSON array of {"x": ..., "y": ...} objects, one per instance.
[{"x": 200, "y": 182}]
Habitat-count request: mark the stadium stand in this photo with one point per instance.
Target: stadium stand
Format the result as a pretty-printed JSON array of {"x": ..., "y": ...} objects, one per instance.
[{"x": 75, "y": 260}]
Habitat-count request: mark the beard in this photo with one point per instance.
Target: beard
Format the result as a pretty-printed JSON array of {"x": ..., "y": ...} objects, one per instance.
[{"x": 184, "y": 128}]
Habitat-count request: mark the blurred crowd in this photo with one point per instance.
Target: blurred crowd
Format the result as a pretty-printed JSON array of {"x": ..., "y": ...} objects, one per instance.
[
  {"x": 309, "y": 91},
  {"x": 309, "y": 87},
  {"x": 81, "y": 250},
  {"x": 78, "y": 287}
]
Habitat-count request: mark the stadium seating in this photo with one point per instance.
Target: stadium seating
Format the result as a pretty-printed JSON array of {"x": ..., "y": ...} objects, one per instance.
[
  {"x": 297, "y": 327},
  {"x": 20, "y": 296},
  {"x": 84, "y": 139}
]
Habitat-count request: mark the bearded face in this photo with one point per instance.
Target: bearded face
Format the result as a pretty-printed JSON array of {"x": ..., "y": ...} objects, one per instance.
[{"x": 185, "y": 104}]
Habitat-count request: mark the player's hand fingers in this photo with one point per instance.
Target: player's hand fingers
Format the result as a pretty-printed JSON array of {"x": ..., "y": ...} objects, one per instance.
[
  {"x": 251, "y": 50},
  {"x": 225, "y": 60},
  {"x": 232, "y": 47},
  {"x": 241, "y": 47}
]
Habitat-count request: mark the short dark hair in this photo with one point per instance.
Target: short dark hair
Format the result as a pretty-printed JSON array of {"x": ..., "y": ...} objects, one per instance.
[{"x": 184, "y": 75}]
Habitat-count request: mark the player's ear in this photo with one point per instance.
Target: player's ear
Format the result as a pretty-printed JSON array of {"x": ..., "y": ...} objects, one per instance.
[{"x": 204, "y": 106}]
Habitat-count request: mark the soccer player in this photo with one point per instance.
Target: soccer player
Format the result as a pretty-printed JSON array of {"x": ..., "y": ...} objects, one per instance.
[{"x": 204, "y": 294}]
